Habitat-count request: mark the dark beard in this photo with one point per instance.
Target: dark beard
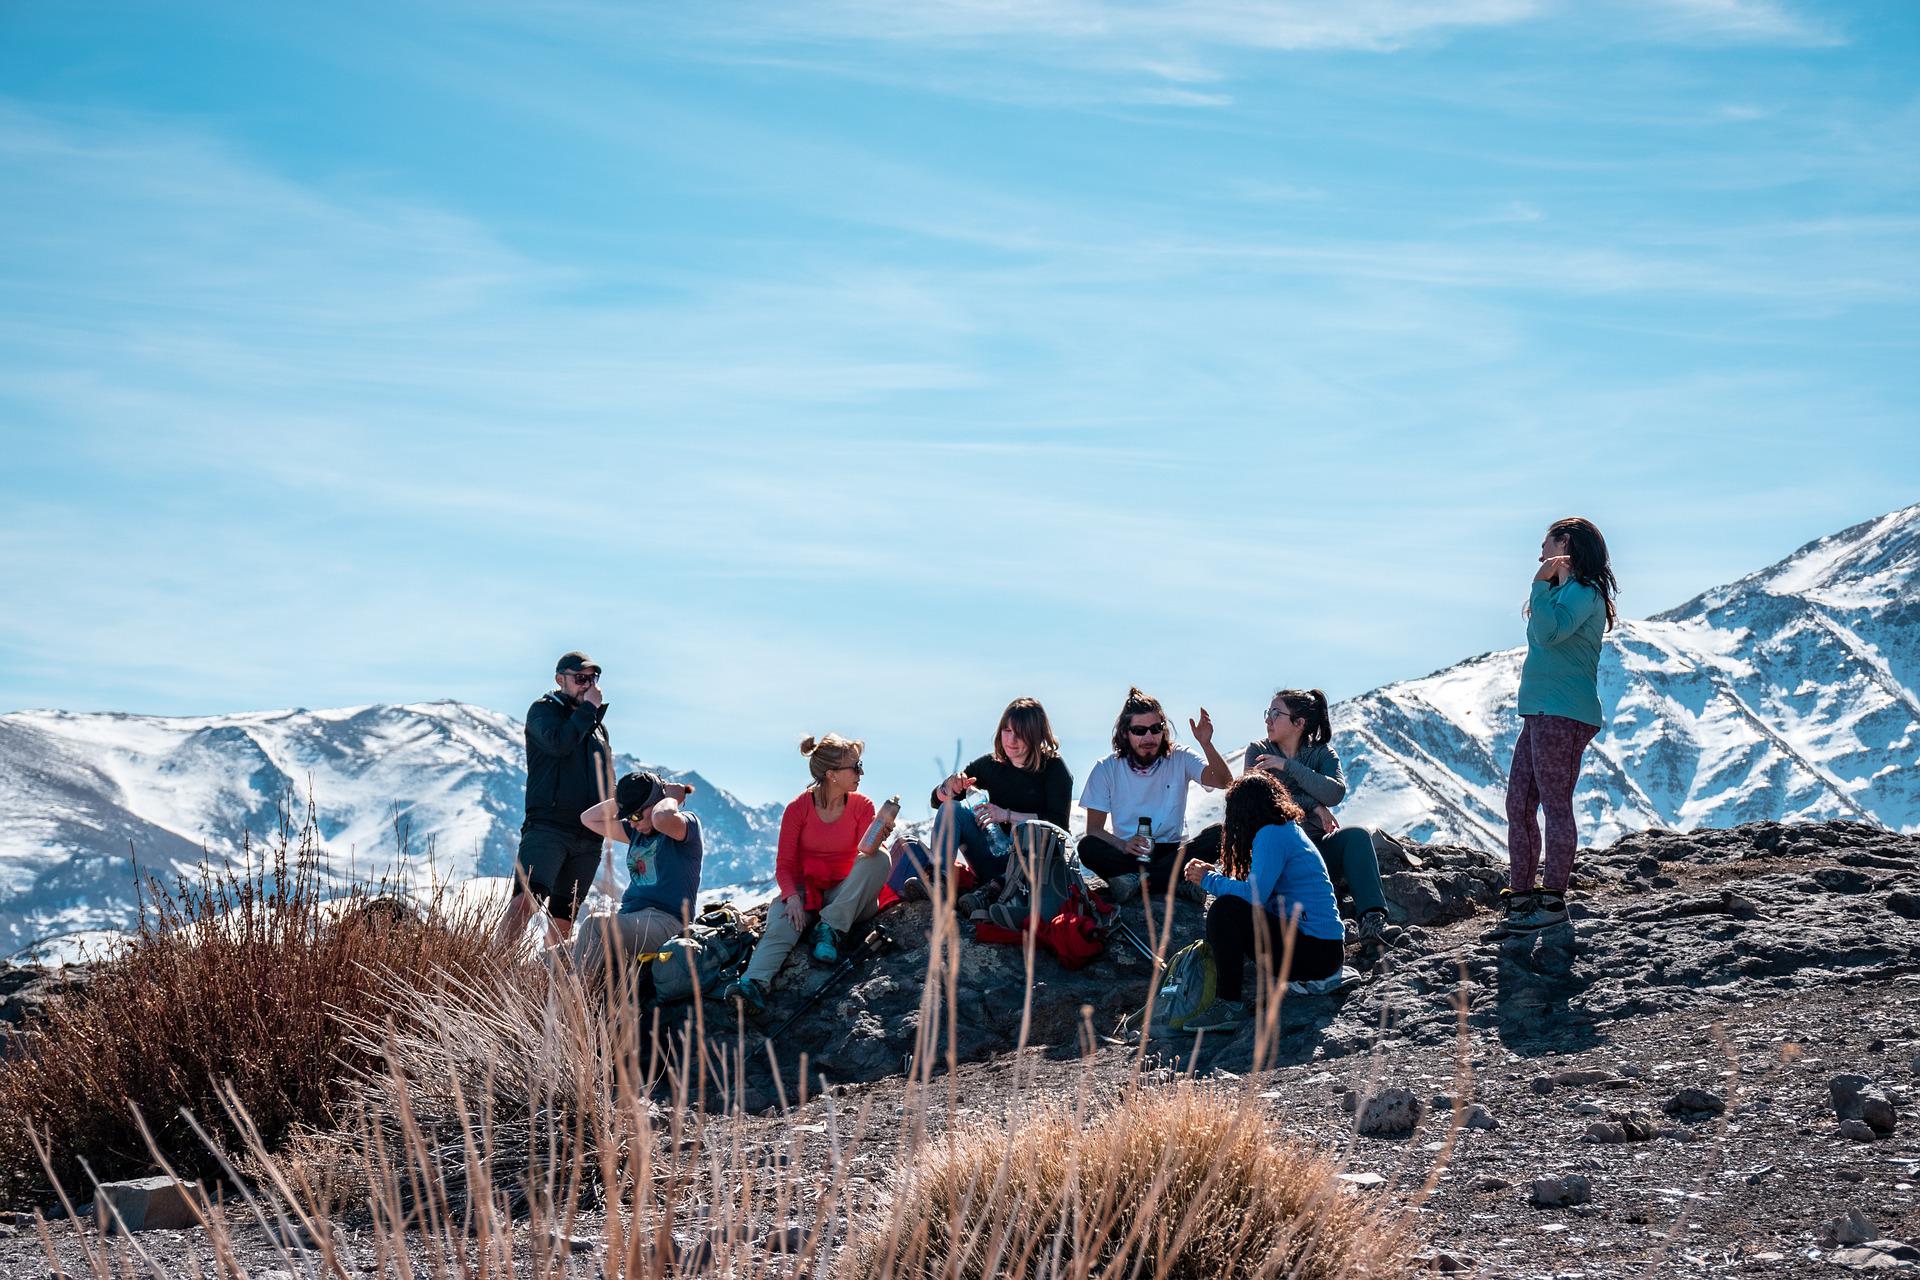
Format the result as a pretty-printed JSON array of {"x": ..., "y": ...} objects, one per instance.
[{"x": 1141, "y": 761}]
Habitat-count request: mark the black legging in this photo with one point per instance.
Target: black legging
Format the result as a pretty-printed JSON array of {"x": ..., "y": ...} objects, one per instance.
[
  {"x": 1230, "y": 924},
  {"x": 1109, "y": 860}
]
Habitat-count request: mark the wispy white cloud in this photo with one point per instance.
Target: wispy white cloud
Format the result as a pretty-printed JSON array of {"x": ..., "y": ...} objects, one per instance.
[{"x": 1759, "y": 21}]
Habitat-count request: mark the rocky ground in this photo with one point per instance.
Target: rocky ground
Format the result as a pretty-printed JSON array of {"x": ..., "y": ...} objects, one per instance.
[{"x": 1650, "y": 1090}]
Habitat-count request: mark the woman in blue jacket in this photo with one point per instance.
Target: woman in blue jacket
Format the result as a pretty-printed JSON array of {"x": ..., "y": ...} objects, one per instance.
[
  {"x": 1569, "y": 611},
  {"x": 1270, "y": 880}
]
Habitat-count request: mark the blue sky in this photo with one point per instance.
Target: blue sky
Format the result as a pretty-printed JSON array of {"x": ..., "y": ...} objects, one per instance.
[{"x": 858, "y": 366}]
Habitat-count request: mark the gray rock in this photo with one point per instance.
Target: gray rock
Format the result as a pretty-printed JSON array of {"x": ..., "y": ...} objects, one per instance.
[
  {"x": 146, "y": 1204},
  {"x": 1478, "y": 1117},
  {"x": 1851, "y": 1227},
  {"x": 790, "y": 1239},
  {"x": 1858, "y": 1130},
  {"x": 1622, "y": 1126},
  {"x": 1691, "y": 1103},
  {"x": 1390, "y": 1113},
  {"x": 1558, "y": 1193},
  {"x": 1843, "y": 1094},
  {"x": 564, "y": 1243},
  {"x": 1877, "y": 1255},
  {"x": 1587, "y": 1078}
]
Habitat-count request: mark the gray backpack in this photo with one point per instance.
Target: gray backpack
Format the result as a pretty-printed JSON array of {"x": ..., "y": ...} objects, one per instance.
[
  {"x": 1189, "y": 985},
  {"x": 1042, "y": 867},
  {"x": 714, "y": 947}
]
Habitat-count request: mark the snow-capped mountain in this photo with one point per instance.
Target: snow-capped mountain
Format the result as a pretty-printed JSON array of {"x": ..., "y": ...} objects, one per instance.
[
  {"x": 82, "y": 796},
  {"x": 1789, "y": 694}
]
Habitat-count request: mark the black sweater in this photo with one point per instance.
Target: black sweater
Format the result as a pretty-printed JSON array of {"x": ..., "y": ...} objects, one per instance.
[
  {"x": 1047, "y": 793},
  {"x": 569, "y": 761}
]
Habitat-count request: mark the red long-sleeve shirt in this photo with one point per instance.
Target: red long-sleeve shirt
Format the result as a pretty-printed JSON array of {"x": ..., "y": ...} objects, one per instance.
[{"x": 821, "y": 853}]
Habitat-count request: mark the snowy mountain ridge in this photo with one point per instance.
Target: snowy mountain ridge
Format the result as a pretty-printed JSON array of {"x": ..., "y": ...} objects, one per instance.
[
  {"x": 1788, "y": 694},
  {"x": 83, "y": 796}
]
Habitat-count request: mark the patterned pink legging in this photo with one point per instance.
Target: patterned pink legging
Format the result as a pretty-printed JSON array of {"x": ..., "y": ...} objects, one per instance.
[{"x": 1546, "y": 764}]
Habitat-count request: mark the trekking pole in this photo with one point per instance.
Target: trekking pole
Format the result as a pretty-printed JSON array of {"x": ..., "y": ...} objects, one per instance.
[
  {"x": 1126, "y": 931},
  {"x": 877, "y": 942}
]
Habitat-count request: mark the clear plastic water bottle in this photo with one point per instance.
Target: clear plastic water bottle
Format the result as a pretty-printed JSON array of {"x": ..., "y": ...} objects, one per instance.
[
  {"x": 998, "y": 841},
  {"x": 1145, "y": 828}
]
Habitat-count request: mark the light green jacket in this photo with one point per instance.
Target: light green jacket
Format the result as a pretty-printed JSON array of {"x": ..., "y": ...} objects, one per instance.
[{"x": 1565, "y": 625}]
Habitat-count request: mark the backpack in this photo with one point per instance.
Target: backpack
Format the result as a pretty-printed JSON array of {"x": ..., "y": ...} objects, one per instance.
[
  {"x": 1044, "y": 886},
  {"x": 1189, "y": 985},
  {"x": 711, "y": 949}
]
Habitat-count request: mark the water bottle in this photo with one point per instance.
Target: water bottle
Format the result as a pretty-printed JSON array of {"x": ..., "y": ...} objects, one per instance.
[
  {"x": 1144, "y": 829},
  {"x": 999, "y": 843},
  {"x": 882, "y": 826}
]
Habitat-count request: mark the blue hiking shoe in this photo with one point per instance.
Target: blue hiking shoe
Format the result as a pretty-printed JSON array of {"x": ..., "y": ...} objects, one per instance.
[
  {"x": 826, "y": 944},
  {"x": 750, "y": 992}
]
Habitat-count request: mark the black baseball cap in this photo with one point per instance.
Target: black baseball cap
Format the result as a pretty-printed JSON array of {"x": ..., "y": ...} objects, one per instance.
[
  {"x": 576, "y": 661},
  {"x": 637, "y": 792}
]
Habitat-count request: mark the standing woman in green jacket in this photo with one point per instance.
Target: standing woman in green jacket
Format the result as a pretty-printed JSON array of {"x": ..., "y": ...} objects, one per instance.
[{"x": 1569, "y": 612}]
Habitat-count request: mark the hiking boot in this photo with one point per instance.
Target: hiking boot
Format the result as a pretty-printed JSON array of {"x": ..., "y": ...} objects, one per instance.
[
  {"x": 914, "y": 890},
  {"x": 750, "y": 992},
  {"x": 1221, "y": 1015},
  {"x": 1190, "y": 892},
  {"x": 826, "y": 944},
  {"x": 1326, "y": 986},
  {"x": 973, "y": 902},
  {"x": 1010, "y": 912},
  {"x": 1123, "y": 888},
  {"x": 1372, "y": 930},
  {"x": 1548, "y": 908},
  {"x": 1513, "y": 904}
]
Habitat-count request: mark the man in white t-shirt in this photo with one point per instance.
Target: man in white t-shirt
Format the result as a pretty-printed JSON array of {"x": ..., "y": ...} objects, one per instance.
[{"x": 1145, "y": 782}]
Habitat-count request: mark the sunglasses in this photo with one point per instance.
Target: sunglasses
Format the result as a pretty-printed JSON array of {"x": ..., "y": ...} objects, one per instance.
[
  {"x": 857, "y": 767},
  {"x": 582, "y": 677},
  {"x": 1147, "y": 730},
  {"x": 1280, "y": 713}
]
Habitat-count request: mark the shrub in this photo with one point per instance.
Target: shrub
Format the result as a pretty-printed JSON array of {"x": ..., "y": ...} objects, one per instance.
[
  {"x": 234, "y": 983},
  {"x": 1179, "y": 1182}
]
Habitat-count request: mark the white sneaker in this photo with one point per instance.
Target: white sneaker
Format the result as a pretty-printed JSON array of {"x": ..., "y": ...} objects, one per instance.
[{"x": 1325, "y": 986}]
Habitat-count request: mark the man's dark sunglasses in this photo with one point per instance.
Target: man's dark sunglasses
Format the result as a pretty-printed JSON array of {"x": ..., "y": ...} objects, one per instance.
[
  {"x": 584, "y": 677},
  {"x": 1146, "y": 730}
]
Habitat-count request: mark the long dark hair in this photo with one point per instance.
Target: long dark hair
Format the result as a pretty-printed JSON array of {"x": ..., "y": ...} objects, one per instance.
[
  {"x": 1255, "y": 800},
  {"x": 1588, "y": 551},
  {"x": 1030, "y": 725},
  {"x": 1139, "y": 704},
  {"x": 1310, "y": 705}
]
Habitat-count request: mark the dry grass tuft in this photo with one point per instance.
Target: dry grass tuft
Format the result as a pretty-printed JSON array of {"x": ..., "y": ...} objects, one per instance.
[
  {"x": 233, "y": 990},
  {"x": 1175, "y": 1183}
]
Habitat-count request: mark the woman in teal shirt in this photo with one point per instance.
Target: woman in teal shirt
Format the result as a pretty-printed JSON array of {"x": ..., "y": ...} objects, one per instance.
[{"x": 1569, "y": 612}]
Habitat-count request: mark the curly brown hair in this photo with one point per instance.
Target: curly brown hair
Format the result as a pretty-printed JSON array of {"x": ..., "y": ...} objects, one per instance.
[{"x": 1254, "y": 801}]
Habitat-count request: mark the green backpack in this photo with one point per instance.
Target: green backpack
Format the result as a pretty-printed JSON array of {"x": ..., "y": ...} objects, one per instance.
[{"x": 1189, "y": 985}]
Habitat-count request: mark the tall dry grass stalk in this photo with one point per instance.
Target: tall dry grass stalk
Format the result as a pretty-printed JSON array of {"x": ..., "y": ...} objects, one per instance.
[
  {"x": 493, "y": 1115},
  {"x": 235, "y": 984}
]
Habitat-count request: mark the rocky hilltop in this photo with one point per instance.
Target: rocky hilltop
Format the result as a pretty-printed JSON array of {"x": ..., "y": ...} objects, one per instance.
[{"x": 1711, "y": 1070}]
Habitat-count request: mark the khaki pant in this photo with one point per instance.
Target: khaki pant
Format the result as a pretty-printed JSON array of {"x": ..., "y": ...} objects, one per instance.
[
  {"x": 616, "y": 939},
  {"x": 853, "y": 900}
]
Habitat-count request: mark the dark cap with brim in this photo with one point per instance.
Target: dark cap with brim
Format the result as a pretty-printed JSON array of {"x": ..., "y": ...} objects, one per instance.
[
  {"x": 575, "y": 661},
  {"x": 637, "y": 792}
]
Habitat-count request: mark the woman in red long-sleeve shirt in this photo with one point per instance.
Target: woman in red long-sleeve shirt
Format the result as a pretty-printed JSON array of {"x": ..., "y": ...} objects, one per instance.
[{"x": 819, "y": 867}]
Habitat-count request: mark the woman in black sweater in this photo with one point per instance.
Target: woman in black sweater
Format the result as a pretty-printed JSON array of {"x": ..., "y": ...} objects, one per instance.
[{"x": 1023, "y": 780}]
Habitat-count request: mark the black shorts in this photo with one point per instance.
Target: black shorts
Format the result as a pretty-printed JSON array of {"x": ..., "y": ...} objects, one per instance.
[{"x": 558, "y": 866}]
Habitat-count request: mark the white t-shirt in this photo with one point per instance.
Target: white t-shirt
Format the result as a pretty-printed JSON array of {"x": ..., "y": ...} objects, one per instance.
[{"x": 1159, "y": 795}]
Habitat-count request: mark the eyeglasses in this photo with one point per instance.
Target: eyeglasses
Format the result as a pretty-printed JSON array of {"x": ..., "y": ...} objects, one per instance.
[
  {"x": 1280, "y": 713},
  {"x": 582, "y": 677},
  {"x": 1147, "y": 730},
  {"x": 857, "y": 767}
]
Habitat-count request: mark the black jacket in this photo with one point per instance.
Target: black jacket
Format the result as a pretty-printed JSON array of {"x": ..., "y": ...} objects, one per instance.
[{"x": 569, "y": 761}]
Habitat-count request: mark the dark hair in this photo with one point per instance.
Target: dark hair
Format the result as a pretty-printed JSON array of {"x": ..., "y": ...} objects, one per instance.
[
  {"x": 1139, "y": 704},
  {"x": 1030, "y": 725},
  {"x": 1310, "y": 705},
  {"x": 1588, "y": 551},
  {"x": 1255, "y": 800}
]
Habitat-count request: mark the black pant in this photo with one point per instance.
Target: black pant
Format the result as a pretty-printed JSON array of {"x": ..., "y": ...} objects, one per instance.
[
  {"x": 1230, "y": 926},
  {"x": 1110, "y": 860}
]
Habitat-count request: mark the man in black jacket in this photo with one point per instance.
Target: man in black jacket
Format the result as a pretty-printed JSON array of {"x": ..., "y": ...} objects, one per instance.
[{"x": 569, "y": 770}]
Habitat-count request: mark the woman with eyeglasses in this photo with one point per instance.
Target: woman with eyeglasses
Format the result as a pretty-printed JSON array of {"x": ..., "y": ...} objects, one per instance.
[
  {"x": 819, "y": 867},
  {"x": 1298, "y": 752}
]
